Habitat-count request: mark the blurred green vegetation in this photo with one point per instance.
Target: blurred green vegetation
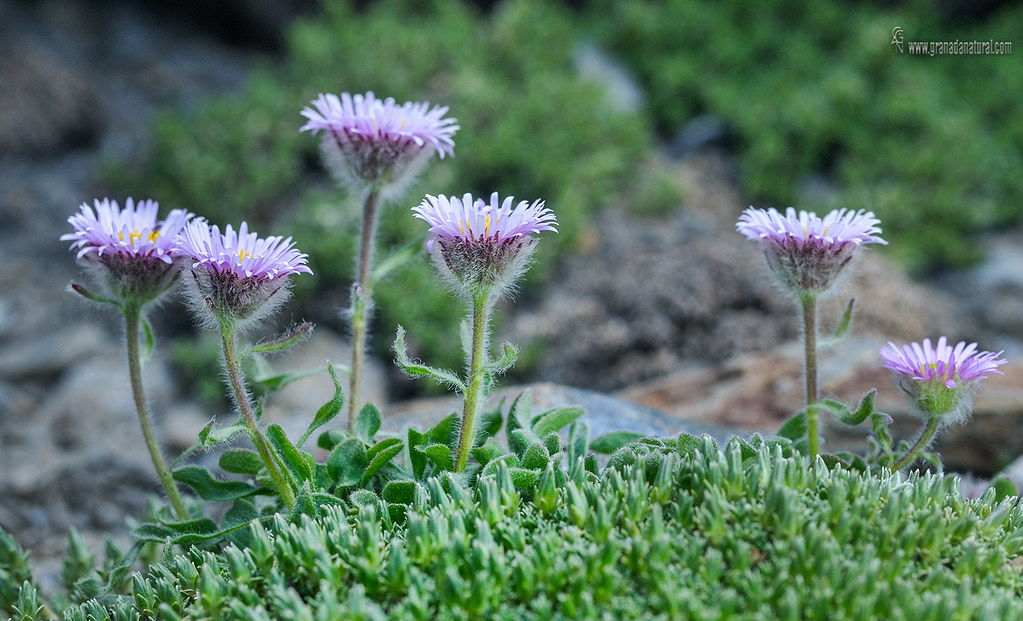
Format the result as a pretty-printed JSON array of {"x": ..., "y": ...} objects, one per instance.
[
  {"x": 530, "y": 127},
  {"x": 815, "y": 91},
  {"x": 825, "y": 114}
]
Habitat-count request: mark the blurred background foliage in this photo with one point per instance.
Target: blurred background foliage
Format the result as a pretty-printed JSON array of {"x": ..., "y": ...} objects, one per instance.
[{"x": 822, "y": 111}]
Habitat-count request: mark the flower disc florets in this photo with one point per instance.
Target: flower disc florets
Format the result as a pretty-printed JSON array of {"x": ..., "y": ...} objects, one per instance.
[
  {"x": 369, "y": 141},
  {"x": 483, "y": 246},
  {"x": 128, "y": 250},
  {"x": 805, "y": 252},
  {"x": 237, "y": 277},
  {"x": 940, "y": 381}
]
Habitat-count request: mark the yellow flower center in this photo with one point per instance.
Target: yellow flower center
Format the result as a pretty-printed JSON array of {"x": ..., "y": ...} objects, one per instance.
[{"x": 136, "y": 235}]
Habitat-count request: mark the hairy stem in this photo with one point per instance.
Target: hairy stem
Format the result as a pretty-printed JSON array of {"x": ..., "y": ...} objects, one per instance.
[
  {"x": 925, "y": 438},
  {"x": 241, "y": 398},
  {"x": 809, "y": 304},
  {"x": 474, "y": 382},
  {"x": 132, "y": 318},
  {"x": 362, "y": 303}
]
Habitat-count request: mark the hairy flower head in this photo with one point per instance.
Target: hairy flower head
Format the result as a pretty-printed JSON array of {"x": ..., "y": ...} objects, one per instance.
[
  {"x": 369, "y": 141},
  {"x": 806, "y": 252},
  {"x": 941, "y": 380},
  {"x": 128, "y": 250},
  {"x": 483, "y": 245},
  {"x": 236, "y": 275}
]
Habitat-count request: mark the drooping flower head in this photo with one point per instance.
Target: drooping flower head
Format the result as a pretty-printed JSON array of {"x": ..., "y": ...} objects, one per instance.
[
  {"x": 483, "y": 245},
  {"x": 805, "y": 252},
  {"x": 369, "y": 141},
  {"x": 127, "y": 250},
  {"x": 237, "y": 276},
  {"x": 940, "y": 381}
]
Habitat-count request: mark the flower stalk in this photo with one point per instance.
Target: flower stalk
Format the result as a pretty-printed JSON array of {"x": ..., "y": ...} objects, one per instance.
[
  {"x": 132, "y": 319},
  {"x": 475, "y": 376},
  {"x": 362, "y": 303},
  {"x": 236, "y": 383},
  {"x": 925, "y": 438},
  {"x": 808, "y": 302}
]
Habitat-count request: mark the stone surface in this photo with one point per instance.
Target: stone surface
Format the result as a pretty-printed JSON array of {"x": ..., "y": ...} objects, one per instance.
[{"x": 603, "y": 413}]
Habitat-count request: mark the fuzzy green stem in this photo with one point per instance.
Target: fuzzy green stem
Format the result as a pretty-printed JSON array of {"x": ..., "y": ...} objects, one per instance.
[
  {"x": 362, "y": 303},
  {"x": 921, "y": 443},
  {"x": 809, "y": 305},
  {"x": 241, "y": 398},
  {"x": 132, "y": 318},
  {"x": 467, "y": 435}
]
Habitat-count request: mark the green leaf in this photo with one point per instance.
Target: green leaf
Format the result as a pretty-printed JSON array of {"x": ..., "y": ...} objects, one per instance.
[
  {"x": 208, "y": 487},
  {"x": 415, "y": 369},
  {"x": 842, "y": 327},
  {"x": 328, "y": 410},
  {"x": 383, "y": 445},
  {"x": 283, "y": 342},
  {"x": 89, "y": 295},
  {"x": 367, "y": 423},
  {"x": 490, "y": 423},
  {"x": 524, "y": 478},
  {"x": 611, "y": 442},
  {"x": 795, "y": 427},
  {"x": 445, "y": 431},
  {"x": 536, "y": 457},
  {"x": 347, "y": 462},
  {"x": 381, "y": 459},
  {"x": 489, "y": 451},
  {"x": 403, "y": 492},
  {"x": 241, "y": 461},
  {"x": 440, "y": 454},
  {"x": 555, "y": 420},
  {"x": 1003, "y": 486},
  {"x": 416, "y": 455},
  {"x": 578, "y": 440},
  {"x": 331, "y": 438},
  {"x": 687, "y": 444},
  {"x": 509, "y": 354},
  {"x": 879, "y": 422},
  {"x": 296, "y": 462}
]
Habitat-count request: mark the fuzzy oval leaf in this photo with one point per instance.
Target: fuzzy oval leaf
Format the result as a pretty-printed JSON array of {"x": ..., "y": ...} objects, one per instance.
[
  {"x": 403, "y": 492},
  {"x": 536, "y": 456},
  {"x": 347, "y": 462},
  {"x": 241, "y": 461},
  {"x": 440, "y": 455},
  {"x": 383, "y": 445},
  {"x": 207, "y": 487},
  {"x": 367, "y": 422},
  {"x": 293, "y": 460},
  {"x": 555, "y": 420},
  {"x": 524, "y": 478},
  {"x": 611, "y": 442}
]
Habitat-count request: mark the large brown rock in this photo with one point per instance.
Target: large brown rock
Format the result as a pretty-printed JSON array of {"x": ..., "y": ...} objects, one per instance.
[{"x": 759, "y": 391}]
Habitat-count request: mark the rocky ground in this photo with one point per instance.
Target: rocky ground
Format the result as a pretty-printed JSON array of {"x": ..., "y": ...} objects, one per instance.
[{"x": 662, "y": 324}]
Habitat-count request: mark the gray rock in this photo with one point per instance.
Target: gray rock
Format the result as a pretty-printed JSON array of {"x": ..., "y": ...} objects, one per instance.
[
  {"x": 603, "y": 413},
  {"x": 47, "y": 107},
  {"x": 700, "y": 133},
  {"x": 50, "y": 353}
]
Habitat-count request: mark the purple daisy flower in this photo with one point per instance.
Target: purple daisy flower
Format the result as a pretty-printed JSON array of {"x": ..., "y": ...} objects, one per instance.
[
  {"x": 940, "y": 380},
  {"x": 807, "y": 252},
  {"x": 129, "y": 251},
  {"x": 483, "y": 245},
  {"x": 369, "y": 141},
  {"x": 237, "y": 276}
]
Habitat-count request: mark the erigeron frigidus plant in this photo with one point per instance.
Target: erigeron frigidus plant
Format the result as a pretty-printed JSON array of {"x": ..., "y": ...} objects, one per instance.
[
  {"x": 808, "y": 256},
  {"x": 480, "y": 248},
  {"x": 374, "y": 148},
  {"x": 129, "y": 255},
  {"x": 233, "y": 281},
  {"x": 940, "y": 382}
]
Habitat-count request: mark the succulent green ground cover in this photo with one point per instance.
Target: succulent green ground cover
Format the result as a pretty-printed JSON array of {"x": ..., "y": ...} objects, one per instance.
[{"x": 681, "y": 532}]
